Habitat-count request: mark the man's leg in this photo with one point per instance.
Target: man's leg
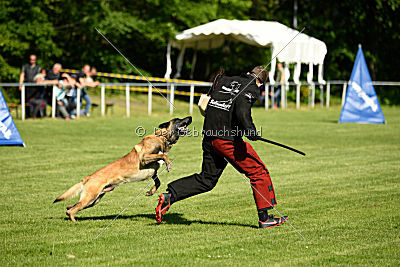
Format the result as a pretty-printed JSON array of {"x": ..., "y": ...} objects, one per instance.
[
  {"x": 245, "y": 159},
  {"x": 88, "y": 102},
  {"x": 212, "y": 168}
]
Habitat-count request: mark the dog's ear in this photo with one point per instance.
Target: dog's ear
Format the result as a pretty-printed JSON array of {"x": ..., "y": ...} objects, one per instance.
[{"x": 163, "y": 125}]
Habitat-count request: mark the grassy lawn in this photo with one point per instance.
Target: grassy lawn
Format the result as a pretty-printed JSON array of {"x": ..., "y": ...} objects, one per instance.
[{"x": 344, "y": 196}]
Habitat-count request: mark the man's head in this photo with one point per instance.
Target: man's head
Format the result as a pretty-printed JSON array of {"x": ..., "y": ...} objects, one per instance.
[
  {"x": 280, "y": 66},
  {"x": 86, "y": 69},
  {"x": 261, "y": 74},
  {"x": 32, "y": 59},
  {"x": 57, "y": 68},
  {"x": 93, "y": 71}
]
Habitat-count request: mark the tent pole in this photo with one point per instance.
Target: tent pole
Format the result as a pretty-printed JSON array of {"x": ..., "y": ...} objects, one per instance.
[
  {"x": 169, "y": 68},
  {"x": 179, "y": 62}
]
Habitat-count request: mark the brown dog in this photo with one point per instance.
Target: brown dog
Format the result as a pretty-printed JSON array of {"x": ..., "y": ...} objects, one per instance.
[{"x": 140, "y": 164}]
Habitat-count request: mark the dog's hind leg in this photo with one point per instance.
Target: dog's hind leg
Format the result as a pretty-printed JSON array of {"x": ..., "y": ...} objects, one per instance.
[
  {"x": 155, "y": 186},
  {"x": 89, "y": 196},
  {"x": 97, "y": 200}
]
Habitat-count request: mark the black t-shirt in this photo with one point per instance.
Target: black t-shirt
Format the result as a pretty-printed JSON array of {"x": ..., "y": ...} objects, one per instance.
[
  {"x": 228, "y": 114},
  {"x": 30, "y": 72},
  {"x": 51, "y": 76}
]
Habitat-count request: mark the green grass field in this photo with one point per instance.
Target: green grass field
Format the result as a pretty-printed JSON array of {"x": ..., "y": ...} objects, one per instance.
[{"x": 344, "y": 196}]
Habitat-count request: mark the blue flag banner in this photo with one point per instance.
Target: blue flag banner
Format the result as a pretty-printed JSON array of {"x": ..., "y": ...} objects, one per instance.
[
  {"x": 361, "y": 104},
  {"x": 9, "y": 135}
]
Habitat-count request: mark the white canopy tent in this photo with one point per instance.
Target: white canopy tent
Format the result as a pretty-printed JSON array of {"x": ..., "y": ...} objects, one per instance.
[{"x": 302, "y": 50}]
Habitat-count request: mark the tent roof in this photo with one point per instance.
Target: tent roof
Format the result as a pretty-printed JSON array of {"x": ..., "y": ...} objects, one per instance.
[{"x": 303, "y": 48}]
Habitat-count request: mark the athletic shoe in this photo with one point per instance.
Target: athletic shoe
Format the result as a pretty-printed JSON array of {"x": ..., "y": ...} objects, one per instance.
[
  {"x": 272, "y": 221},
  {"x": 163, "y": 205}
]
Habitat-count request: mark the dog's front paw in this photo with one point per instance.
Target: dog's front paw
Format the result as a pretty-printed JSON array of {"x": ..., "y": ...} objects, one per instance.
[{"x": 151, "y": 191}]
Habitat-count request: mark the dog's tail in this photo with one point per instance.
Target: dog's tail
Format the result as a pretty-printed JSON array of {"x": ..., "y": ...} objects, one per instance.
[{"x": 70, "y": 193}]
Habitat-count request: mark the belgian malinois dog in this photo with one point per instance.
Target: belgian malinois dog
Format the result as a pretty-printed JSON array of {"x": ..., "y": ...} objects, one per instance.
[{"x": 140, "y": 164}]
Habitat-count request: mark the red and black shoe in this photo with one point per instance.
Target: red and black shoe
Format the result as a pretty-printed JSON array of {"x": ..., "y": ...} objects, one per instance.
[
  {"x": 272, "y": 221},
  {"x": 164, "y": 202}
]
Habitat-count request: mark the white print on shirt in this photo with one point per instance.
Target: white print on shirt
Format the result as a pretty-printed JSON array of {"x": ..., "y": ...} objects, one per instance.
[
  {"x": 224, "y": 105},
  {"x": 233, "y": 90}
]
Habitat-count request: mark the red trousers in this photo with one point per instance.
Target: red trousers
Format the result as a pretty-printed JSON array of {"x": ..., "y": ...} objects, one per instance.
[{"x": 216, "y": 154}]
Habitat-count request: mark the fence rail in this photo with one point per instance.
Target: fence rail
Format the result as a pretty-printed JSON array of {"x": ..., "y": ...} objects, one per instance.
[{"x": 171, "y": 89}]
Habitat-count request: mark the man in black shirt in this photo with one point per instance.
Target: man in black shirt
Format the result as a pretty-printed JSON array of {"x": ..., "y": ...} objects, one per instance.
[
  {"x": 227, "y": 119},
  {"x": 29, "y": 71},
  {"x": 33, "y": 94}
]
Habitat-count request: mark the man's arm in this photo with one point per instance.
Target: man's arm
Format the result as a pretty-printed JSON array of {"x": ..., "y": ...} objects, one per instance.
[
  {"x": 21, "y": 78},
  {"x": 243, "y": 114}
]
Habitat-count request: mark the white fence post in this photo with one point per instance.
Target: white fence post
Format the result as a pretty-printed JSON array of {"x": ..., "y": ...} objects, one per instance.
[
  {"x": 23, "y": 102},
  {"x": 266, "y": 99},
  {"x": 273, "y": 97},
  {"x": 128, "y": 101},
  {"x": 53, "y": 102},
  {"x": 344, "y": 93},
  {"x": 149, "y": 95},
  {"x": 78, "y": 102},
  {"x": 297, "y": 96},
  {"x": 171, "y": 99},
  {"x": 312, "y": 95},
  {"x": 103, "y": 100},
  {"x": 328, "y": 93},
  {"x": 321, "y": 94},
  {"x": 191, "y": 100}
]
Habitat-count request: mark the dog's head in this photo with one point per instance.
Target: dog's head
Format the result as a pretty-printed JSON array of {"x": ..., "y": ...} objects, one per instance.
[{"x": 175, "y": 128}]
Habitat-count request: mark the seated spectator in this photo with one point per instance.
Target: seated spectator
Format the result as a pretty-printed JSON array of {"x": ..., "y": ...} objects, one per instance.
[
  {"x": 86, "y": 80},
  {"x": 64, "y": 80},
  {"x": 71, "y": 96}
]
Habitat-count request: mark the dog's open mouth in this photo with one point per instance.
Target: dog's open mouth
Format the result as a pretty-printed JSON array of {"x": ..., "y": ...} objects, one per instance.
[{"x": 183, "y": 130}]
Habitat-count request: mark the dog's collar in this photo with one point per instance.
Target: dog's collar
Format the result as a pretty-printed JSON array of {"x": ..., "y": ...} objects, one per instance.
[{"x": 166, "y": 140}]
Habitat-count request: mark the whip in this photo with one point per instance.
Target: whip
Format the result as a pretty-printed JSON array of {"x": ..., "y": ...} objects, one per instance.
[{"x": 281, "y": 145}]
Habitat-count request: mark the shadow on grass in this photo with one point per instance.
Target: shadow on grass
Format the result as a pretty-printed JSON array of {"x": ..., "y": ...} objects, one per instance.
[{"x": 170, "y": 218}]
